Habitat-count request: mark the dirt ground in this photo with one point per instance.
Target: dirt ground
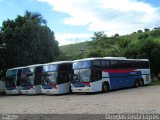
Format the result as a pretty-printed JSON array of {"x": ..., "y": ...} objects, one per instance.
[{"x": 134, "y": 100}]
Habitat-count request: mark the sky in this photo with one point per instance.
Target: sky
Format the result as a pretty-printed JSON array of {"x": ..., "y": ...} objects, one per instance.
[{"x": 75, "y": 21}]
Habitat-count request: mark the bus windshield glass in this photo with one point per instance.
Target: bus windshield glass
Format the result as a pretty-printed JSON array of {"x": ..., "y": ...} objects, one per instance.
[
  {"x": 48, "y": 78},
  {"x": 27, "y": 77},
  {"x": 10, "y": 78},
  {"x": 82, "y": 75},
  {"x": 82, "y": 64},
  {"x": 47, "y": 68}
]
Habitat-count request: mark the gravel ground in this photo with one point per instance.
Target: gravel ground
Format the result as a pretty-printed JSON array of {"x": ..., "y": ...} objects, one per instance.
[{"x": 135, "y": 100}]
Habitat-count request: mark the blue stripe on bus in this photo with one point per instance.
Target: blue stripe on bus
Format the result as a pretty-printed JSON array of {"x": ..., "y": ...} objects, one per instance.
[{"x": 120, "y": 80}]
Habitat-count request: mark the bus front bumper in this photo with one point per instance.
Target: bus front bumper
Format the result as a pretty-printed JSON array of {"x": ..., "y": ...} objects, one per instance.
[
  {"x": 50, "y": 91},
  {"x": 14, "y": 92},
  {"x": 82, "y": 89},
  {"x": 28, "y": 91}
]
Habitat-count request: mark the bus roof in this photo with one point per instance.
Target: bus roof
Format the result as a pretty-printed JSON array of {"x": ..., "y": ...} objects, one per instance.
[
  {"x": 109, "y": 58},
  {"x": 85, "y": 59},
  {"x": 16, "y": 68},
  {"x": 58, "y": 62},
  {"x": 121, "y": 58}
]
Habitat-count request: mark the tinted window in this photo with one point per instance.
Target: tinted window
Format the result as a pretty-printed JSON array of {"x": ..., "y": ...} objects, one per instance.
[
  {"x": 19, "y": 77},
  {"x": 114, "y": 64},
  {"x": 96, "y": 63},
  {"x": 82, "y": 64},
  {"x": 105, "y": 63},
  {"x": 50, "y": 68},
  {"x": 121, "y": 64},
  {"x": 145, "y": 64},
  {"x": 62, "y": 77},
  {"x": 11, "y": 73},
  {"x": 28, "y": 70},
  {"x": 38, "y": 72},
  {"x": 64, "y": 73}
]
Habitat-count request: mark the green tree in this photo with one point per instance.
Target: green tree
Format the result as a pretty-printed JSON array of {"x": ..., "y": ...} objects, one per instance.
[
  {"x": 26, "y": 41},
  {"x": 116, "y": 35},
  {"x": 95, "y": 53},
  {"x": 155, "y": 33},
  {"x": 99, "y": 36},
  {"x": 148, "y": 49},
  {"x": 35, "y": 17},
  {"x": 143, "y": 36},
  {"x": 146, "y": 29},
  {"x": 139, "y": 31},
  {"x": 119, "y": 48}
]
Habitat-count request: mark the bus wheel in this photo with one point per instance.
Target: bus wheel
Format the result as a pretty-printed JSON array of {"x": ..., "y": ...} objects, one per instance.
[
  {"x": 141, "y": 83},
  {"x": 105, "y": 88},
  {"x": 136, "y": 84}
]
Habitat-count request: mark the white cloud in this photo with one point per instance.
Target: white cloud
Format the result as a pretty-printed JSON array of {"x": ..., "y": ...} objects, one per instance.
[
  {"x": 70, "y": 38},
  {"x": 111, "y": 16}
]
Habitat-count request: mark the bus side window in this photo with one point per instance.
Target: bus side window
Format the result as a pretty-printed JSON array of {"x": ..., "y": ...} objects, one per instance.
[
  {"x": 96, "y": 63},
  {"x": 114, "y": 64},
  {"x": 105, "y": 64}
]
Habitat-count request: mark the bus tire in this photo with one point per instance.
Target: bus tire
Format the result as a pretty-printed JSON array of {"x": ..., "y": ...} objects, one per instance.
[
  {"x": 141, "y": 82},
  {"x": 136, "y": 84},
  {"x": 105, "y": 87}
]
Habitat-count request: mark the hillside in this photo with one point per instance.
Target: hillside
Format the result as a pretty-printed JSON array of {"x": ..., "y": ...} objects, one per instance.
[{"x": 74, "y": 51}]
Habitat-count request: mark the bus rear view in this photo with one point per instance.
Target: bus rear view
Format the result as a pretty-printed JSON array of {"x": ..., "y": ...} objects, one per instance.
[
  {"x": 12, "y": 82},
  {"x": 31, "y": 79},
  {"x": 56, "y": 77}
]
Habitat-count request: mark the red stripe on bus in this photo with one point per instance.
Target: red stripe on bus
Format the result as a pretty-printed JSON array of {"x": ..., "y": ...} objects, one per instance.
[
  {"x": 52, "y": 85},
  {"x": 118, "y": 71},
  {"x": 86, "y": 83}
]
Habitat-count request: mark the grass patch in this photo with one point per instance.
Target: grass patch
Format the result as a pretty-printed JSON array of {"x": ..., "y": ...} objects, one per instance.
[{"x": 155, "y": 83}]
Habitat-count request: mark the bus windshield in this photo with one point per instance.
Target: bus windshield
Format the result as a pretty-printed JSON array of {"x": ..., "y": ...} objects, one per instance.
[
  {"x": 81, "y": 64},
  {"x": 10, "y": 81},
  {"x": 47, "y": 68},
  {"x": 11, "y": 78},
  {"x": 49, "y": 78},
  {"x": 27, "y": 77},
  {"x": 82, "y": 75},
  {"x": 27, "y": 80}
]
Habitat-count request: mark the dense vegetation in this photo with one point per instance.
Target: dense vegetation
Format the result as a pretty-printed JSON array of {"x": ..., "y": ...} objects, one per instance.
[
  {"x": 26, "y": 40},
  {"x": 140, "y": 45}
]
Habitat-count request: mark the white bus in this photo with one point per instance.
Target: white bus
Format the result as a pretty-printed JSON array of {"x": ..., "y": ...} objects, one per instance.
[
  {"x": 104, "y": 74},
  {"x": 31, "y": 79},
  {"x": 12, "y": 81},
  {"x": 56, "y": 77}
]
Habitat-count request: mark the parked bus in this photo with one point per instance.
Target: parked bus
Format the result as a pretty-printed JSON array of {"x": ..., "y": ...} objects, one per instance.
[
  {"x": 31, "y": 79},
  {"x": 12, "y": 81},
  {"x": 56, "y": 77},
  {"x": 104, "y": 74}
]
